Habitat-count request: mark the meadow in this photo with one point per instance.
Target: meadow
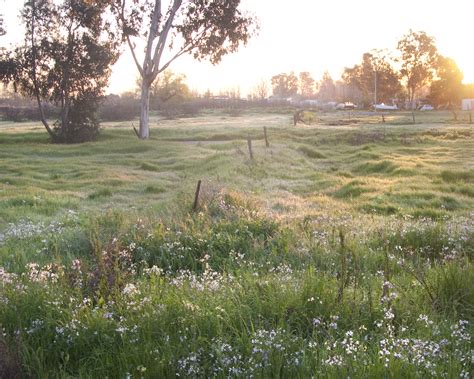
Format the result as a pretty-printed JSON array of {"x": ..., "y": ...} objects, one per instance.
[{"x": 344, "y": 249}]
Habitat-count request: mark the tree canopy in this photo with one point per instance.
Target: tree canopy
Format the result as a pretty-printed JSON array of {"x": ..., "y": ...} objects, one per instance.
[
  {"x": 307, "y": 85},
  {"x": 418, "y": 60},
  {"x": 375, "y": 78},
  {"x": 327, "y": 88},
  {"x": 447, "y": 88},
  {"x": 169, "y": 87},
  {"x": 285, "y": 85},
  {"x": 66, "y": 60}
]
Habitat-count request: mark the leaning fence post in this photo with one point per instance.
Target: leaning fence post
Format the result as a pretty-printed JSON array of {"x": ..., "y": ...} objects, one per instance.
[
  {"x": 249, "y": 143},
  {"x": 267, "y": 144},
  {"x": 413, "y": 115},
  {"x": 196, "y": 196},
  {"x": 383, "y": 119}
]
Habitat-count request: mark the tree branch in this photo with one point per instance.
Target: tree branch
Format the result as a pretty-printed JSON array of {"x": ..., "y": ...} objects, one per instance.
[
  {"x": 33, "y": 63},
  {"x": 132, "y": 50},
  {"x": 163, "y": 37},
  {"x": 185, "y": 49},
  {"x": 166, "y": 65},
  {"x": 155, "y": 21},
  {"x": 121, "y": 18}
]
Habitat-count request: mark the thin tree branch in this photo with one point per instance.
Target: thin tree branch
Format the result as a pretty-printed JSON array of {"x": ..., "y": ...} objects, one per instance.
[
  {"x": 185, "y": 49},
  {"x": 121, "y": 18},
  {"x": 166, "y": 65},
  {"x": 35, "y": 80},
  {"x": 155, "y": 21},
  {"x": 163, "y": 37},
  {"x": 132, "y": 49}
]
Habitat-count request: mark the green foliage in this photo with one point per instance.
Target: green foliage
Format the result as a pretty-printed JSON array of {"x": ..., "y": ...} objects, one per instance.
[{"x": 81, "y": 125}]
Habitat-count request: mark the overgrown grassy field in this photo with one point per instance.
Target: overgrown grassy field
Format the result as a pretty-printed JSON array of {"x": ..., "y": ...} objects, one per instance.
[{"x": 344, "y": 249}]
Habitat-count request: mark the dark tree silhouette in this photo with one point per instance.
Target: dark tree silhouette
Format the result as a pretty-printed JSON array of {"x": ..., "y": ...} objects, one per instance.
[
  {"x": 418, "y": 61},
  {"x": 66, "y": 59}
]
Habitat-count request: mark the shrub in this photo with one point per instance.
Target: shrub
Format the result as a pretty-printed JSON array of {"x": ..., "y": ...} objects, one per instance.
[
  {"x": 82, "y": 124},
  {"x": 119, "y": 108}
]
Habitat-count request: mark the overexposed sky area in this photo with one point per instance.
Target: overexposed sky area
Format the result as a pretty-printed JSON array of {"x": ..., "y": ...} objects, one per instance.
[{"x": 310, "y": 35}]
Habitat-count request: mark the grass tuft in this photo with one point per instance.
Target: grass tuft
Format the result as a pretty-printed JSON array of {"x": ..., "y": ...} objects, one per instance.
[
  {"x": 311, "y": 153},
  {"x": 103, "y": 192}
]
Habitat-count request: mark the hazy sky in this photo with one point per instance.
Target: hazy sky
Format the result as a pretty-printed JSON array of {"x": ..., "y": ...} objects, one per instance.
[{"x": 314, "y": 36}]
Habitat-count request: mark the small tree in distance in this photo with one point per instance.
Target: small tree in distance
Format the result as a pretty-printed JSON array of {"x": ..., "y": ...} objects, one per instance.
[
  {"x": 327, "y": 88},
  {"x": 374, "y": 77},
  {"x": 418, "y": 61},
  {"x": 285, "y": 85},
  {"x": 206, "y": 29},
  {"x": 260, "y": 91},
  {"x": 446, "y": 89},
  {"x": 169, "y": 87},
  {"x": 306, "y": 84}
]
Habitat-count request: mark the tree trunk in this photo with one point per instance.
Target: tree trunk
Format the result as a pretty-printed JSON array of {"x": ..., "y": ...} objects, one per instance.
[
  {"x": 453, "y": 110},
  {"x": 144, "y": 130},
  {"x": 412, "y": 98}
]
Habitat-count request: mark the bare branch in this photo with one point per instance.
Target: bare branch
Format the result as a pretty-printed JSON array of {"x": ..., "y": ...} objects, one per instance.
[
  {"x": 185, "y": 49},
  {"x": 35, "y": 80},
  {"x": 177, "y": 55},
  {"x": 121, "y": 18},
  {"x": 164, "y": 36},
  {"x": 132, "y": 49},
  {"x": 155, "y": 21}
]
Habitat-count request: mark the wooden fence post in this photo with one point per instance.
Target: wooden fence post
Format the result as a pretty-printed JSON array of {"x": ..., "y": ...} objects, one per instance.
[
  {"x": 470, "y": 118},
  {"x": 249, "y": 143},
  {"x": 196, "y": 196},
  {"x": 383, "y": 119},
  {"x": 413, "y": 115},
  {"x": 267, "y": 144}
]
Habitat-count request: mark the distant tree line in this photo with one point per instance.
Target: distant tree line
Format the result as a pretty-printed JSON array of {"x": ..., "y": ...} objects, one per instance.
[
  {"x": 65, "y": 63},
  {"x": 379, "y": 77}
]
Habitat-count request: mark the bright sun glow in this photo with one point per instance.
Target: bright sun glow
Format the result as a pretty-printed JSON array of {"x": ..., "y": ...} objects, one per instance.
[{"x": 314, "y": 36}]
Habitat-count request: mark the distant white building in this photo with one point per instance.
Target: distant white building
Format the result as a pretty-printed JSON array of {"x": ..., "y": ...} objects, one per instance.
[{"x": 467, "y": 104}]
